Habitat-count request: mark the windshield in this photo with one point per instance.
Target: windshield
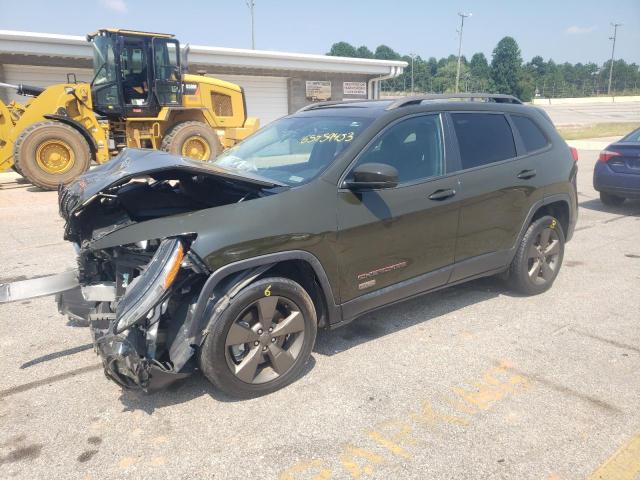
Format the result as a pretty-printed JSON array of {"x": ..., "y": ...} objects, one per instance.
[
  {"x": 104, "y": 65},
  {"x": 293, "y": 150}
]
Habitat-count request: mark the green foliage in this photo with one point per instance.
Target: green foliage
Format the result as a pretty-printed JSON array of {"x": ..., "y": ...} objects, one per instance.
[
  {"x": 364, "y": 52},
  {"x": 505, "y": 67},
  {"x": 478, "y": 66},
  {"x": 342, "y": 49},
  {"x": 386, "y": 53},
  {"x": 506, "y": 73}
]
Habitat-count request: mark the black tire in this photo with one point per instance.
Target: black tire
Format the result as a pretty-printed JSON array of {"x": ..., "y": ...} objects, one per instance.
[
  {"x": 611, "y": 200},
  {"x": 203, "y": 135},
  {"x": 16, "y": 169},
  {"x": 533, "y": 270},
  {"x": 217, "y": 357},
  {"x": 38, "y": 135}
]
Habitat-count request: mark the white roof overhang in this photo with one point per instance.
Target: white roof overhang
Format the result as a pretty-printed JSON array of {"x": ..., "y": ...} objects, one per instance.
[{"x": 72, "y": 46}]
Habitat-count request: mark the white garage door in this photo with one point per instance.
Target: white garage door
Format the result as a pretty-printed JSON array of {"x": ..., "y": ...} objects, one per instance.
[
  {"x": 266, "y": 97},
  {"x": 40, "y": 77}
]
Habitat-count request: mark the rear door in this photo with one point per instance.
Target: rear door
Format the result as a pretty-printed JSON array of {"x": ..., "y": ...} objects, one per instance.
[
  {"x": 391, "y": 235},
  {"x": 497, "y": 189}
]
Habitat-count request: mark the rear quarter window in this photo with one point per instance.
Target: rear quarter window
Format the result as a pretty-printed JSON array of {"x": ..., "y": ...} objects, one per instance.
[
  {"x": 483, "y": 138},
  {"x": 530, "y": 133}
]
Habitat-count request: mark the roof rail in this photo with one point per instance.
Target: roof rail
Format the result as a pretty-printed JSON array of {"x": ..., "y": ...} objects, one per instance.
[
  {"x": 330, "y": 103},
  {"x": 485, "y": 97}
]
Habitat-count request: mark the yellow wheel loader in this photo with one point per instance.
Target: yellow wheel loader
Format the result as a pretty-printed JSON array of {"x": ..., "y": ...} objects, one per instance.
[{"x": 139, "y": 97}]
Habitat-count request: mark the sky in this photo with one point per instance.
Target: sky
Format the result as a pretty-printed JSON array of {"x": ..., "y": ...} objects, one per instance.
[{"x": 565, "y": 30}]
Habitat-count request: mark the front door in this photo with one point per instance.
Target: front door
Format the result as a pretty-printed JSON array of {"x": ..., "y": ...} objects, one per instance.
[{"x": 392, "y": 235}]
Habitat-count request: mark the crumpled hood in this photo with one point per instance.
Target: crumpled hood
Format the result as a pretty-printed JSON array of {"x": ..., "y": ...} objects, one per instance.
[{"x": 135, "y": 162}]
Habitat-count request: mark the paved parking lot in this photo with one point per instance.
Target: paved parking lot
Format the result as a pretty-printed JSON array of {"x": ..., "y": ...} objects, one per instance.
[
  {"x": 472, "y": 382},
  {"x": 589, "y": 113}
]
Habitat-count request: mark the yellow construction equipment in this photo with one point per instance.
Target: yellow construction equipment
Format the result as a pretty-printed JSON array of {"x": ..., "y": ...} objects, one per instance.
[{"x": 140, "y": 96}]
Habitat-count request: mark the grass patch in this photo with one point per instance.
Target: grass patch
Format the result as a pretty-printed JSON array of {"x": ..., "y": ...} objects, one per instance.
[{"x": 610, "y": 129}]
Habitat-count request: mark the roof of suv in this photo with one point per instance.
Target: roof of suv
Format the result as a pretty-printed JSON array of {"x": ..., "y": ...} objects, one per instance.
[{"x": 393, "y": 107}]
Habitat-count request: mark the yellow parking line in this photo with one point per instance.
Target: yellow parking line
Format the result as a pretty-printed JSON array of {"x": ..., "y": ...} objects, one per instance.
[{"x": 623, "y": 465}]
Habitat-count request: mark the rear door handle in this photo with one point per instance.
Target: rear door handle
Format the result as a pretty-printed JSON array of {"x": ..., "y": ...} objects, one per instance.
[
  {"x": 442, "y": 194},
  {"x": 527, "y": 174}
]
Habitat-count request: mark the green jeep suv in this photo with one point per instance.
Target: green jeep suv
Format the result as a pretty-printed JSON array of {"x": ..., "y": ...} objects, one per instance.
[{"x": 326, "y": 214}]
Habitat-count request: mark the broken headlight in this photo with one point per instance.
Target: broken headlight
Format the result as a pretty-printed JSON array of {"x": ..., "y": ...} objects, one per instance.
[{"x": 150, "y": 287}]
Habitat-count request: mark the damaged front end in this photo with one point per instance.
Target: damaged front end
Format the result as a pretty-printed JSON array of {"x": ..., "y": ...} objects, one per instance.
[
  {"x": 139, "y": 295},
  {"x": 137, "y": 332}
]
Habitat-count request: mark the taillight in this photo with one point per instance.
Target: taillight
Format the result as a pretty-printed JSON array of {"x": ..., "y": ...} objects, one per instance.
[
  {"x": 574, "y": 153},
  {"x": 606, "y": 155}
]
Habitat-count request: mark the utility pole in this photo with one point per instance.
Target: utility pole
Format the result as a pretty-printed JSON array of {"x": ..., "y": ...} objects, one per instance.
[
  {"x": 413, "y": 56},
  {"x": 613, "y": 49},
  {"x": 462, "y": 17},
  {"x": 251, "y": 4}
]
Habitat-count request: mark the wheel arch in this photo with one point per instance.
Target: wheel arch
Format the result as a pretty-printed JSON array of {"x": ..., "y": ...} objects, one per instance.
[
  {"x": 225, "y": 282},
  {"x": 93, "y": 146},
  {"x": 558, "y": 206}
]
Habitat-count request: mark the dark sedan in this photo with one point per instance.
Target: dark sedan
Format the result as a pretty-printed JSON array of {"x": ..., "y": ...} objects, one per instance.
[{"x": 617, "y": 173}]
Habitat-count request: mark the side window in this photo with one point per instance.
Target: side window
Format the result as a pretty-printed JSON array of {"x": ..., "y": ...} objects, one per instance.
[
  {"x": 413, "y": 146},
  {"x": 531, "y": 135},
  {"x": 483, "y": 138}
]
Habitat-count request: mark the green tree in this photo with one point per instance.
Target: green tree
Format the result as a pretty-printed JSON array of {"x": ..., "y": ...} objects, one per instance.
[
  {"x": 506, "y": 64},
  {"x": 342, "y": 49},
  {"x": 383, "y": 52},
  {"x": 364, "y": 52},
  {"x": 479, "y": 72}
]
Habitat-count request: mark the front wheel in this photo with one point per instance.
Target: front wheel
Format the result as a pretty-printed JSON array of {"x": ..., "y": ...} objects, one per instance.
[
  {"x": 538, "y": 258},
  {"x": 261, "y": 341},
  {"x": 51, "y": 153}
]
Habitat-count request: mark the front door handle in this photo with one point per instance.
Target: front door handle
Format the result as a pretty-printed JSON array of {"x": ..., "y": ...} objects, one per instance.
[
  {"x": 442, "y": 194},
  {"x": 527, "y": 174}
]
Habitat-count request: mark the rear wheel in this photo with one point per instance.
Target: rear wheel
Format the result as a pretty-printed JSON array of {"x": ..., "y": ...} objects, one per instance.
[
  {"x": 51, "y": 153},
  {"x": 538, "y": 258},
  {"x": 194, "y": 140},
  {"x": 611, "y": 200},
  {"x": 262, "y": 340}
]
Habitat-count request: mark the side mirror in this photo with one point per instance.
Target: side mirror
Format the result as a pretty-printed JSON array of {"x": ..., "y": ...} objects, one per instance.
[{"x": 370, "y": 176}]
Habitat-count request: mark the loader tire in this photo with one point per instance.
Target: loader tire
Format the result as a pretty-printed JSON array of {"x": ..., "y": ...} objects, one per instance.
[
  {"x": 16, "y": 169},
  {"x": 51, "y": 153},
  {"x": 192, "y": 139}
]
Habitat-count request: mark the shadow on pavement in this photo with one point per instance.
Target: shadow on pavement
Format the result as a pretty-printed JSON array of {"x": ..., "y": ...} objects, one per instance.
[
  {"x": 372, "y": 326},
  {"x": 406, "y": 314},
  {"x": 630, "y": 207},
  {"x": 182, "y": 391}
]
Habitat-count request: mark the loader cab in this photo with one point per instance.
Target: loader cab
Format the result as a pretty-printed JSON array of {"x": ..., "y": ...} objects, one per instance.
[{"x": 135, "y": 73}]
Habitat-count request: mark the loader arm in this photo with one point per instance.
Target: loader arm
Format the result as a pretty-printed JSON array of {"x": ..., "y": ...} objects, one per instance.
[{"x": 6, "y": 146}]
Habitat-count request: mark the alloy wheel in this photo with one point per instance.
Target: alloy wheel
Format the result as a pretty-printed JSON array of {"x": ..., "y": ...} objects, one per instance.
[
  {"x": 265, "y": 340},
  {"x": 543, "y": 256}
]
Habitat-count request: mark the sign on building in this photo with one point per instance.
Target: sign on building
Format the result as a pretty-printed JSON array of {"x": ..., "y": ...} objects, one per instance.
[
  {"x": 354, "y": 88},
  {"x": 318, "y": 90}
]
